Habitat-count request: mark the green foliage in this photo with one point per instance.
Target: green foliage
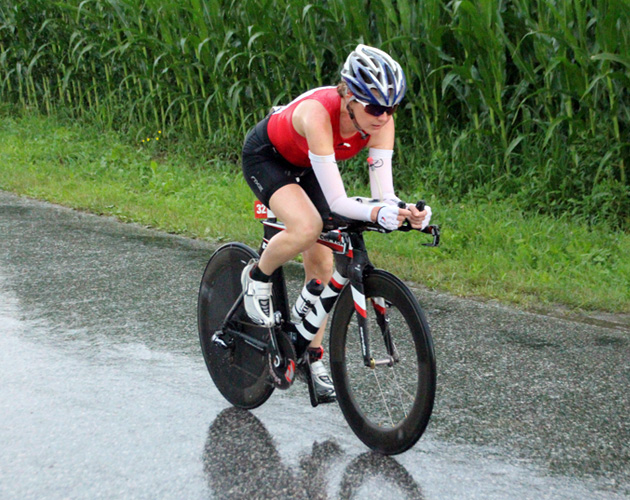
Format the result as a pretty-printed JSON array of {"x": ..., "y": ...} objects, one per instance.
[
  {"x": 516, "y": 99},
  {"x": 489, "y": 249}
]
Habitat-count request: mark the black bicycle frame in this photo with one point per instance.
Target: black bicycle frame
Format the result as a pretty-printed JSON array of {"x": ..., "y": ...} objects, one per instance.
[{"x": 351, "y": 263}]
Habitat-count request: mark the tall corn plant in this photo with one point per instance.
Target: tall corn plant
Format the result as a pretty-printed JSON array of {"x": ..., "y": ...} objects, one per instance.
[
  {"x": 526, "y": 98},
  {"x": 570, "y": 55}
]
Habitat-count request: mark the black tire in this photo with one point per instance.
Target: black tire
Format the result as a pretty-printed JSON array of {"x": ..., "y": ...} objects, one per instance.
[
  {"x": 240, "y": 372},
  {"x": 388, "y": 407}
]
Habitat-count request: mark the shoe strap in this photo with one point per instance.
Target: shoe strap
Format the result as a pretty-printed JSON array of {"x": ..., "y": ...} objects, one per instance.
[{"x": 257, "y": 287}]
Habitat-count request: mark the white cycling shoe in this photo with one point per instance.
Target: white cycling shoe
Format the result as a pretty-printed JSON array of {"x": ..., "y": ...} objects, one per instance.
[
  {"x": 257, "y": 298},
  {"x": 323, "y": 385}
]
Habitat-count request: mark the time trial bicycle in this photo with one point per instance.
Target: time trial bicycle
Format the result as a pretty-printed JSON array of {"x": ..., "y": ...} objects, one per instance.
[{"x": 381, "y": 352}]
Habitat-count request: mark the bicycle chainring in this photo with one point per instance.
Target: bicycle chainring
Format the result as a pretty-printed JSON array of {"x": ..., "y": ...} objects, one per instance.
[{"x": 282, "y": 365}]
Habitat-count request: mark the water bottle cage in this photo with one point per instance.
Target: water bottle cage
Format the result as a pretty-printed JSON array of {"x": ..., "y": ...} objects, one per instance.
[{"x": 305, "y": 309}]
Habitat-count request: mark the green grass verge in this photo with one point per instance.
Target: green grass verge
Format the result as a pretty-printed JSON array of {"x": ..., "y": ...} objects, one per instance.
[{"x": 489, "y": 249}]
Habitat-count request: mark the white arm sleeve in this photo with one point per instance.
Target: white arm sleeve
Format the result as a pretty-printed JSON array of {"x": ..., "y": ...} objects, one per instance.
[
  {"x": 381, "y": 181},
  {"x": 329, "y": 179}
]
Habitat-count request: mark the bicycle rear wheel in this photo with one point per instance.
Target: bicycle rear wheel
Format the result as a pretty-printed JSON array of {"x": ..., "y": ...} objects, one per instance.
[
  {"x": 388, "y": 407},
  {"x": 240, "y": 371}
]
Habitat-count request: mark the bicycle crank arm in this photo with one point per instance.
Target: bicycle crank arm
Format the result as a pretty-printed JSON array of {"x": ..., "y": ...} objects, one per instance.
[{"x": 254, "y": 342}]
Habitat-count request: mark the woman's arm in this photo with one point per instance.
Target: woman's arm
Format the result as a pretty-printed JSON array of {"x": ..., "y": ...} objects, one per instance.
[
  {"x": 381, "y": 152},
  {"x": 312, "y": 121}
]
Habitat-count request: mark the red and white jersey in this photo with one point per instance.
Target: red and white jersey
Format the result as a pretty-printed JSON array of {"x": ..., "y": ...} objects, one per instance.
[{"x": 293, "y": 147}]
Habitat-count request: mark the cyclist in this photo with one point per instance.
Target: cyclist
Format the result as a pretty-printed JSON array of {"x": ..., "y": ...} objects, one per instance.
[{"x": 289, "y": 161}]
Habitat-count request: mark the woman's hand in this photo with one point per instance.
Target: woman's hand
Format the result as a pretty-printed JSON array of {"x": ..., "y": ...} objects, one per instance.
[
  {"x": 390, "y": 217},
  {"x": 418, "y": 219}
]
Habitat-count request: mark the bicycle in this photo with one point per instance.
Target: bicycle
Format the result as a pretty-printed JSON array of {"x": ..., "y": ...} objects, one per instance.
[{"x": 385, "y": 388}]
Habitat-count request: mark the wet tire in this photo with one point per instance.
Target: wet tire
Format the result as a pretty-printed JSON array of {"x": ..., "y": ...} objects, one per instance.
[{"x": 387, "y": 407}]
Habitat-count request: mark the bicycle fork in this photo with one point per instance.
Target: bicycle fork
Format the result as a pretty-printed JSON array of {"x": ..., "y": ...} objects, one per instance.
[
  {"x": 382, "y": 319},
  {"x": 355, "y": 262}
]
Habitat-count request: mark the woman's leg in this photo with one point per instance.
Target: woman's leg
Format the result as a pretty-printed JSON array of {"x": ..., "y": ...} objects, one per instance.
[
  {"x": 303, "y": 225},
  {"x": 318, "y": 263}
]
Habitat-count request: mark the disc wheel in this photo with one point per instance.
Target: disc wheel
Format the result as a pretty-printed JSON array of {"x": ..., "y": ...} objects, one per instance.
[{"x": 240, "y": 369}]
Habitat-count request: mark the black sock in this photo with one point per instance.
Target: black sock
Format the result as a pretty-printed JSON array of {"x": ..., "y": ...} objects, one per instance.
[{"x": 258, "y": 275}]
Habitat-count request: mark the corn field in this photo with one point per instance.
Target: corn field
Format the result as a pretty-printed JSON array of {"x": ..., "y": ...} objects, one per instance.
[{"x": 526, "y": 99}]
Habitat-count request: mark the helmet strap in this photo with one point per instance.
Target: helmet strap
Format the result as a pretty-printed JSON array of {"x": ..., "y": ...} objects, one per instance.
[{"x": 355, "y": 123}]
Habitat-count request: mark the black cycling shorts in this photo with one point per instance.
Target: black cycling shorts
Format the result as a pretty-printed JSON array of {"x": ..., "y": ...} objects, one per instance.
[{"x": 266, "y": 170}]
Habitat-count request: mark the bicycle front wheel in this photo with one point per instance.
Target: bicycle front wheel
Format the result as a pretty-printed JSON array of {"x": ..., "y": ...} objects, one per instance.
[
  {"x": 239, "y": 370},
  {"x": 387, "y": 405}
]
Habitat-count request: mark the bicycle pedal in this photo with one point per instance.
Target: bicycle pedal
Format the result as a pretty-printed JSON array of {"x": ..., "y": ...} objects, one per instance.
[
  {"x": 306, "y": 376},
  {"x": 326, "y": 399},
  {"x": 217, "y": 340},
  {"x": 277, "y": 318},
  {"x": 318, "y": 400}
]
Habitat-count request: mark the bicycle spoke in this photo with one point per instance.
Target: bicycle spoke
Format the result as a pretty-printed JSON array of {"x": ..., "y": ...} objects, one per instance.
[
  {"x": 401, "y": 389},
  {"x": 381, "y": 309},
  {"x": 391, "y": 419},
  {"x": 389, "y": 391}
]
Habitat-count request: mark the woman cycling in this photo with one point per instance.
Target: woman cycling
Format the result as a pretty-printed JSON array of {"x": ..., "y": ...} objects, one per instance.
[{"x": 289, "y": 161}]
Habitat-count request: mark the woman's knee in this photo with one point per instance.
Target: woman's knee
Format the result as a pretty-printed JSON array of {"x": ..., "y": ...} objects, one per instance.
[
  {"x": 314, "y": 227},
  {"x": 306, "y": 229},
  {"x": 293, "y": 206}
]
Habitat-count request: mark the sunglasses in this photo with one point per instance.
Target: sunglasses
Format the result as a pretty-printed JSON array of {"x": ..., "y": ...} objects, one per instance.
[{"x": 376, "y": 109}]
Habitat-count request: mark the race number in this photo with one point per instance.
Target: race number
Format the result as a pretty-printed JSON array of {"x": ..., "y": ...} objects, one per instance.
[{"x": 260, "y": 210}]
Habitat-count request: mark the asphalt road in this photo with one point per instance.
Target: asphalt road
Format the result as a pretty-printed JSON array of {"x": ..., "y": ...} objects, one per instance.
[{"x": 104, "y": 393}]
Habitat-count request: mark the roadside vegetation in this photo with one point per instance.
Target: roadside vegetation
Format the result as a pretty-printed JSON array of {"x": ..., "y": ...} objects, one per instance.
[
  {"x": 514, "y": 129},
  {"x": 491, "y": 249}
]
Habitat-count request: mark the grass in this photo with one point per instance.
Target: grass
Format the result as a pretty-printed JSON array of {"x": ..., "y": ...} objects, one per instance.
[{"x": 490, "y": 249}]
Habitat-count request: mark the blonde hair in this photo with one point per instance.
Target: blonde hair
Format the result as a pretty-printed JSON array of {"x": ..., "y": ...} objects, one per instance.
[{"x": 342, "y": 89}]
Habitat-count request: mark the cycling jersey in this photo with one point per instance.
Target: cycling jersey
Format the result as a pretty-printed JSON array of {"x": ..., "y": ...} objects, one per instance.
[
  {"x": 275, "y": 155},
  {"x": 293, "y": 147}
]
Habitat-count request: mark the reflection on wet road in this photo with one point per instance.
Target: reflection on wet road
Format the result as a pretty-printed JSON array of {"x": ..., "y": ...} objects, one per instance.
[
  {"x": 104, "y": 394},
  {"x": 241, "y": 461}
]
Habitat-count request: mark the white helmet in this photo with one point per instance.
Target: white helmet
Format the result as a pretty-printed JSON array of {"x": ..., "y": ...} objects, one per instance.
[{"x": 374, "y": 77}]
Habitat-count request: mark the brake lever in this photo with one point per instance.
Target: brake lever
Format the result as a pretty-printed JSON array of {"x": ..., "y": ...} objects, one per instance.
[{"x": 433, "y": 230}]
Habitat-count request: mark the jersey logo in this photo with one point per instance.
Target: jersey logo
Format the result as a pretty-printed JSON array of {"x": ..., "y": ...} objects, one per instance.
[{"x": 343, "y": 145}]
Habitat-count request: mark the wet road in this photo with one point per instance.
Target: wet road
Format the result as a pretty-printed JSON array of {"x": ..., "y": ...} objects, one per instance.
[{"x": 104, "y": 394}]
